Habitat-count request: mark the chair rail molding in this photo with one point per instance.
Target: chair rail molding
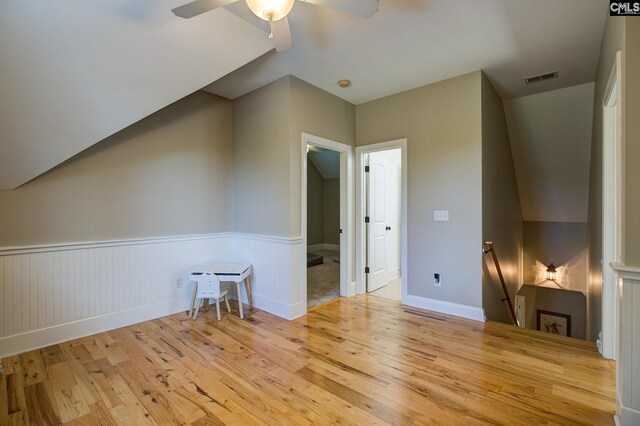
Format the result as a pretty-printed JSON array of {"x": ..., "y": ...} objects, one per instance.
[{"x": 628, "y": 364}]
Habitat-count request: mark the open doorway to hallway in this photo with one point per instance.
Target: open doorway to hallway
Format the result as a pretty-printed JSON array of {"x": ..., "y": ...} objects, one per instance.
[
  {"x": 323, "y": 225},
  {"x": 337, "y": 254}
]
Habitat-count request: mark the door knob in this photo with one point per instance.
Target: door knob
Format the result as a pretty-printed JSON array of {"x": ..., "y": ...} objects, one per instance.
[{"x": 388, "y": 228}]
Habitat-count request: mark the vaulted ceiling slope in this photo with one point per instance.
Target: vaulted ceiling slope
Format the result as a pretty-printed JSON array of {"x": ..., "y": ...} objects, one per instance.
[
  {"x": 327, "y": 162},
  {"x": 411, "y": 43},
  {"x": 550, "y": 136},
  {"x": 75, "y": 72}
]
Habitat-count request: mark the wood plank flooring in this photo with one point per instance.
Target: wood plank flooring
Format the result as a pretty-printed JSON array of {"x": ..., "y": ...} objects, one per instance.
[{"x": 362, "y": 360}]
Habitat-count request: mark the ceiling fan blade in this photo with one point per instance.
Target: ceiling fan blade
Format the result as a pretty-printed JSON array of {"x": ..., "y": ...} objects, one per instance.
[
  {"x": 198, "y": 7},
  {"x": 363, "y": 8},
  {"x": 282, "y": 35}
]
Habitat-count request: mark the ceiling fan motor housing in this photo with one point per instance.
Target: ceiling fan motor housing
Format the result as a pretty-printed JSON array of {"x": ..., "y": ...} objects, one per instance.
[{"x": 270, "y": 10}]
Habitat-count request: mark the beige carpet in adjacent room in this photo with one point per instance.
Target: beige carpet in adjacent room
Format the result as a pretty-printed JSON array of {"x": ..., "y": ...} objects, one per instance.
[{"x": 323, "y": 281}]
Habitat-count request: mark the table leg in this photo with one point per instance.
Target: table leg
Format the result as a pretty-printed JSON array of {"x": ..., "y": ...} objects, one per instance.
[
  {"x": 193, "y": 299},
  {"x": 247, "y": 288},
  {"x": 226, "y": 301},
  {"x": 195, "y": 314},
  {"x": 240, "y": 300}
]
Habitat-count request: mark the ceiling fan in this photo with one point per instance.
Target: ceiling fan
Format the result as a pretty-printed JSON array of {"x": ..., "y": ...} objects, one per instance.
[{"x": 275, "y": 12}]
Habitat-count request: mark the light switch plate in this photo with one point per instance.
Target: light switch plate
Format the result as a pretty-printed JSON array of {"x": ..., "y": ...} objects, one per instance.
[{"x": 441, "y": 215}]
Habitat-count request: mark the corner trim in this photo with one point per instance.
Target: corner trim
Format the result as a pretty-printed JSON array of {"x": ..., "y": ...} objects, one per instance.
[
  {"x": 443, "y": 307},
  {"x": 627, "y": 272}
]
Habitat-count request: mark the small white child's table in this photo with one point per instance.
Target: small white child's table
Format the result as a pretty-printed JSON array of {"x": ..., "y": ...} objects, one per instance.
[{"x": 226, "y": 272}]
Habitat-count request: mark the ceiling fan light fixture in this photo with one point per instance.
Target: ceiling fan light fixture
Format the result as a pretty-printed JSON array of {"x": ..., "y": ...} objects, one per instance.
[{"x": 270, "y": 10}]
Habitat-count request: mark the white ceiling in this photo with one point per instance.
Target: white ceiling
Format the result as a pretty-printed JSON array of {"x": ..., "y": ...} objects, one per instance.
[
  {"x": 73, "y": 73},
  {"x": 410, "y": 43},
  {"x": 550, "y": 137}
]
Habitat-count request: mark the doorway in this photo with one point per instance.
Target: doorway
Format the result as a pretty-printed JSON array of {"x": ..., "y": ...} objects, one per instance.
[
  {"x": 382, "y": 214},
  {"x": 323, "y": 225},
  {"x": 382, "y": 222},
  {"x": 326, "y": 220}
]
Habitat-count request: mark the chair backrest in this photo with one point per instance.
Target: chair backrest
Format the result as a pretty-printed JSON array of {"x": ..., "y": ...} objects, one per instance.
[{"x": 208, "y": 286}]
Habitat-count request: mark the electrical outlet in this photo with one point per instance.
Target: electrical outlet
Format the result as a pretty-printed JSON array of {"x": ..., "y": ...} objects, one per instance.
[
  {"x": 179, "y": 284},
  {"x": 437, "y": 281}
]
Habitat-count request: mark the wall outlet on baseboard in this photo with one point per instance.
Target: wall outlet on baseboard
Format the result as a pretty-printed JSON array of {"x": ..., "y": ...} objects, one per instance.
[
  {"x": 437, "y": 281},
  {"x": 179, "y": 283}
]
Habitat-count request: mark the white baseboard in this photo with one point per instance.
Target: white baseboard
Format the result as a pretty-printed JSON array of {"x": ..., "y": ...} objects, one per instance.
[
  {"x": 441, "y": 306},
  {"x": 278, "y": 308},
  {"x": 629, "y": 416},
  {"x": 44, "y": 337},
  {"x": 333, "y": 247}
]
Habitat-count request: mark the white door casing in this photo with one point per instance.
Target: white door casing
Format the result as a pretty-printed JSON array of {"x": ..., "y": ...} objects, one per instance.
[
  {"x": 611, "y": 208},
  {"x": 347, "y": 255},
  {"x": 361, "y": 153}
]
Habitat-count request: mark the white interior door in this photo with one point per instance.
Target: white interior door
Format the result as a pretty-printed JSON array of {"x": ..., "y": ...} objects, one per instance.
[{"x": 377, "y": 250}]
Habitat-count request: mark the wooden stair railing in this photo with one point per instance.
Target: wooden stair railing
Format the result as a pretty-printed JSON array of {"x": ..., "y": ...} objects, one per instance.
[{"x": 489, "y": 248}]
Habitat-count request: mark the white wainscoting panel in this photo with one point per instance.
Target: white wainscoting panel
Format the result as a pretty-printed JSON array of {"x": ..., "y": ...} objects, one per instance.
[
  {"x": 628, "y": 363},
  {"x": 50, "y": 294},
  {"x": 276, "y": 286}
]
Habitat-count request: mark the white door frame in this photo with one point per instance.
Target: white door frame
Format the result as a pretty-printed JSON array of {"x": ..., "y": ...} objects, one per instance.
[
  {"x": 346, "y": 212},
  {"x": 612, "y": 183},
  {"x": 361, "y": 287}
]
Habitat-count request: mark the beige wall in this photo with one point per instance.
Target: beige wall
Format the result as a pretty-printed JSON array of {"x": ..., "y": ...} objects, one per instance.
[
  {"x": 442, "y": 124},
  {"x": 332, "y": 211},
  {"x": 501, "y": 210},
  {"x": 319, "y": 113},
  {"x": 613, "y": 40},
  {"x": 554, "y": 300},
  {"x": 261, "y": 160},
  {"x": 169, "y": 174},
  {"x": 268, "y": 127},
  {"x": 564, "y": 244},
  {"x": 315, "y": 205}
]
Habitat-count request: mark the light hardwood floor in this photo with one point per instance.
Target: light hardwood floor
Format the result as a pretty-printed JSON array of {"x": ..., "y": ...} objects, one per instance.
[{"x": 362, "y": 360}]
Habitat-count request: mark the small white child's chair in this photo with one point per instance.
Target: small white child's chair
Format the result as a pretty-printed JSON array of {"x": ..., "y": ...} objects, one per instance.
[{"x": 208, "y": 286}]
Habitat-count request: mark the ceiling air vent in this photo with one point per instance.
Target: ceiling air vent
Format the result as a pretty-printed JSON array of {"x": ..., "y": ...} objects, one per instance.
[{"x": 541, "y": 77}]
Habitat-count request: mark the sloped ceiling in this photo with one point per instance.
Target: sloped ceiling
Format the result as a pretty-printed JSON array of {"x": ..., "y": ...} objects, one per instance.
[
  {"x": 410, "y": 43},
  {"x": 550, "y": 137},
  {"x": 74, "y": 72},
  {"x": 327, "y": 162}
]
